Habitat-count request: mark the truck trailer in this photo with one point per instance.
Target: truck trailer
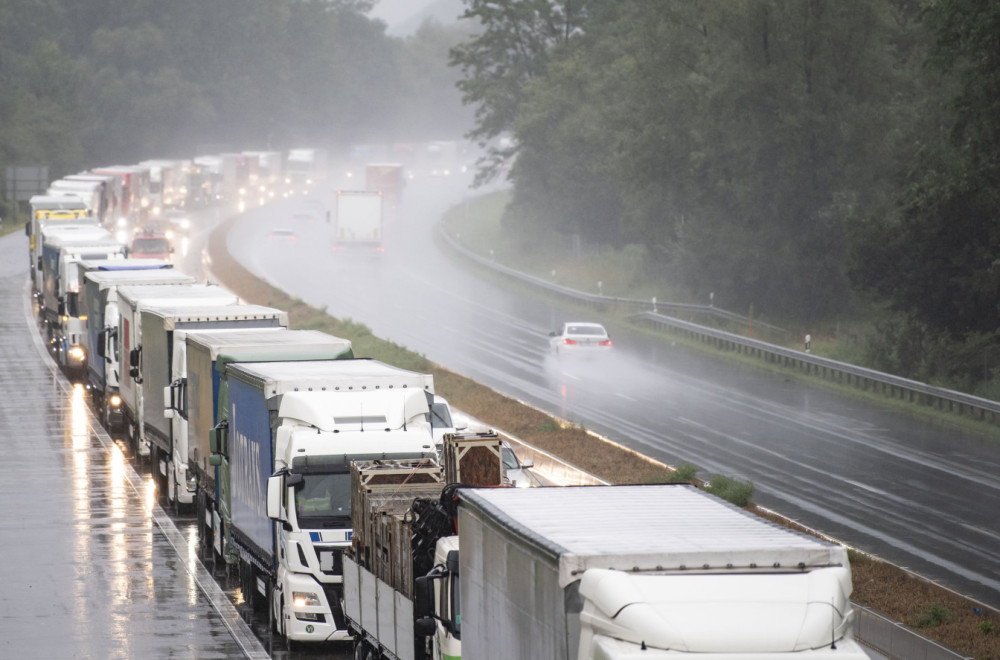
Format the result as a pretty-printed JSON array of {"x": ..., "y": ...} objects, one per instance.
[
  {"x": 358, "y": 219},
  {"x": 131, "y": 301},
  {"x": 99, "y": 304},
  {"x": 621, "y": 573},
  {"x": 197, "y": 399},
  {"x": 291, "y": 432},
  {"x": 162, "y": 330}
]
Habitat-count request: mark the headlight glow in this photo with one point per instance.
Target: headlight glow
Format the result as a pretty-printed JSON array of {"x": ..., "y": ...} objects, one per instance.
[{"x": 305, "y": 599}]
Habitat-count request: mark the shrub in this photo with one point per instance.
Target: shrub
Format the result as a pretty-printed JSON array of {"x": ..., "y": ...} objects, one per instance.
[
  {"x": 933, "y": 617},
  {"x": 683, "y": 474},
  {"x": 731, "y": 490}
]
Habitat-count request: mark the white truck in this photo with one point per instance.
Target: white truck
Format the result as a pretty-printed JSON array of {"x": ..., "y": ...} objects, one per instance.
[
  {"x": 49, "y": 211},
  {"x": 131, "y": 301},
  {"x": 358, "y": 219},
  {"x": 192, "y": 401},
  {"x": 284, "y": 453},
  {"x": 62, "y": 248},
  {"x": 161, "y": 333},
  {"x": 621, "y": 573},
  {"x": 99, "y": 304}
]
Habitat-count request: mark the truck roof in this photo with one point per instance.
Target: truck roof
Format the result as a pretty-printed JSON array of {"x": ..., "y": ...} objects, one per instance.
[
  {"x": 270, "y": 345},
  {"x": 212, "y": 313},
  {"x": 668, "y": 528},
  {"x": 76, "y": 233},
  {"x": 176, "y": 295},
  {"x": 57, "y": 202},
  {"x": 358, "y": 374},
  {"x": 143, "y": 276},
  {"x": 124, "y": 264}
]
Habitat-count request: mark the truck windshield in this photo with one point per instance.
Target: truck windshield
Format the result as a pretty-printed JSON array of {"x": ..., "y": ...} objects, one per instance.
[{"x": 324, "y": 500}]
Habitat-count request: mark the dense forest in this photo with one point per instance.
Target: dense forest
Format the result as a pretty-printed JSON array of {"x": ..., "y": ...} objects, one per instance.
[
  {"x": 809, "y": 159},
  {"x": 812, "y": 159}
]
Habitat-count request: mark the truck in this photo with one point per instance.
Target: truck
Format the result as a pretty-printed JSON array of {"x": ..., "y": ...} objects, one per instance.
[
  {"x": 161, "y": 329},
  {"x": 291, "y": 432},
  {"x": 99, "y": 304},
  {"x": 194, "y": 398},
  {"x": 387, "y": 178},
  {"x": 48, "y": 211},
  {"x": 62, "y": 248},
  {"x": 616, "y": 572},
  {"x": 358, "y": 219},
  {"x": 131, "y": 301},
  {"x": 304, "y": 168}
]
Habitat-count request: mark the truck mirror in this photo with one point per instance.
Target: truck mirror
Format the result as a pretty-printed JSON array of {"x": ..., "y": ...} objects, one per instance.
[
  {"x": 62, "y": 307},
  {"x": 102, "y": 339},
  {"x": 215, "y": 460},
  {"x": 213, "y": 441},
  {"x": 423, "y": 598},
  {"x": 424, "y": 627},
  {"x": 453, "y": 562},
  {"x": 168, "y": 403},
  {"x": 274, "y": 488},
  {"x": 133, "y": 357}
]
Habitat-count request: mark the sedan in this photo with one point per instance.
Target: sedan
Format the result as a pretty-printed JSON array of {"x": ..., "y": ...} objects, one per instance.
[
  {"x": 516, "y": 472},
  {"x": 580, "y": 337}
]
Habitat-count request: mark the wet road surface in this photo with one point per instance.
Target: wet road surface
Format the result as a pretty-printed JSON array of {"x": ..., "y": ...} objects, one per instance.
[{"x": 94, "y": 567}]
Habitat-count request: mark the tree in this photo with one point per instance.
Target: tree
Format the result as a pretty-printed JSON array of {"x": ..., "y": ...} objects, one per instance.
[{"x": 514, "y": 45}]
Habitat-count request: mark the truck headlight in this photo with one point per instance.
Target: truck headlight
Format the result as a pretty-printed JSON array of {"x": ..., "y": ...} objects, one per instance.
[
  {"x": 115, "y": 400},
  {"x": 305, "y": 599},
  {"x": 192, "y": 481},
  {"x": 77, "y": 353}
]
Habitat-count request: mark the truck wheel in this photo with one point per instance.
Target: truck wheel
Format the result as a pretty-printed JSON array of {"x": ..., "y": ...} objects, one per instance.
[{"x": 359, "y": 649}]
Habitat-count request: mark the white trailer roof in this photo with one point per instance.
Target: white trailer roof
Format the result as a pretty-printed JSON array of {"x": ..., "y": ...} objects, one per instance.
[
  {"x": 358, "y": 374},
  {"x": 656, "y": 528},
  {"x": 144, "y": 276},
  {"x": 76, "y": 233},
  {"x": 176, "y": 295},
  {"x": 210, "y": 313},
  {"x": 263, "y": 339}
]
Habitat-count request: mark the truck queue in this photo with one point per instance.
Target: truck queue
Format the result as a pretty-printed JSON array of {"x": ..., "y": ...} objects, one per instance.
[{"x": 316, "y": 475}]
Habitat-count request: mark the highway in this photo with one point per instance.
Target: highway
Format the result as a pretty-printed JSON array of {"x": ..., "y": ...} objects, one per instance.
[{"x": 919, "y": 494}]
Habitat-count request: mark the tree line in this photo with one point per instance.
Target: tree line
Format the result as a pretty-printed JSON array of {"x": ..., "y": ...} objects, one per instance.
[
  {"x": 811, "y": 160},
  {"x": 95, "y": 82}
]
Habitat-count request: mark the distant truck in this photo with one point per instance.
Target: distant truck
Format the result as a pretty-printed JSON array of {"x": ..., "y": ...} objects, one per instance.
[
  {"x": 48, "y": 211},
  {"x": 304, "y": 168},
  {"x": 196, "y": 401},
  {"x": 616, "y": 572},
  {"x": 62, "y": 249},
  {"x": 99, "y": 304},
  {"x": 358, "y": 219},
  {"x": 291, "y": 433},
  {"x": 387, "y": 178}
]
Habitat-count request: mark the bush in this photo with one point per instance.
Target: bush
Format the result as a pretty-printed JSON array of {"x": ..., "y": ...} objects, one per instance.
[
  {"x": 683, "y": 474},
  {"x": 933, "y": 617},
  {"x": 733, "y": 491}
]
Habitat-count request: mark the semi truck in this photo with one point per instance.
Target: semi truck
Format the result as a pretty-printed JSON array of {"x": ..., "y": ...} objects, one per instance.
[
  {"x": 358, "y": 219},
  {"x": 161, "y": 330},
  {"x": 49, "y": 211},
  {"x": 290, "y": 434},
  {"x": 99, "y": 304},
  {"x": 198, "y": 393},
  {"x": 131, "y": 301},
  {"x": 304, "y": 168},
  {"x": 387, "y": 178},
  {"x": 616, "y": 572},
  {"x": 62, "y": 248}
]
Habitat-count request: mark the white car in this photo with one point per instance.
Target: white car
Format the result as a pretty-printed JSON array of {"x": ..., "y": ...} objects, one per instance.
[
  {"x": 516, "y": 472},
  {"x": 580, "y": 337}
]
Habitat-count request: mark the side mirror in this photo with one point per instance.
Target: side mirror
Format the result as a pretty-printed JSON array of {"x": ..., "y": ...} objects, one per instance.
[
  {"x": 452, "y": 562},
  {"x": 102, "y": 340},
  {"x": 133, "y": 357},
  {"x": 424, "y": 627},
  {"x": 423, "y": 601},
  {"x": 168, "y": 409},
  {"x": 529, "y": 463},
  {"x": 461, "y": 422},
  {"x": 274, "y": 486}
]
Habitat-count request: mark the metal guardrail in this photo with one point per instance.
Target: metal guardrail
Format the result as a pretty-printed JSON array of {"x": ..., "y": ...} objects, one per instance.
[
  {"x": 841, "y": 372},
  {"x": 599, "y": 299}
]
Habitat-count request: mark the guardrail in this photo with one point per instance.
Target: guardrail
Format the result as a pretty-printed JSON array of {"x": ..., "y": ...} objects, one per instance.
[
  {"x": 601, "y": 300},
  {"x": 868, "y": 380}
]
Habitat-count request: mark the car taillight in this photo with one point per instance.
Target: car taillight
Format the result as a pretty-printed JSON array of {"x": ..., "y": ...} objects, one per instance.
[
  {"x": 569, "y": 341},
  {"x": 606, "y": 342}
]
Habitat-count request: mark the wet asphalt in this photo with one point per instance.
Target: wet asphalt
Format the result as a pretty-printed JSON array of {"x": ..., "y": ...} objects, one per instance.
[{"x": 93, "y": 566}]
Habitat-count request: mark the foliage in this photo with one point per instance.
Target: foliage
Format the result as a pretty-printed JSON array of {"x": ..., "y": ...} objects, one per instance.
[
  {"x": 933, "y": 616},
  {"x": 732, "y": 490},
  {"x": 683, "y": 474}
]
